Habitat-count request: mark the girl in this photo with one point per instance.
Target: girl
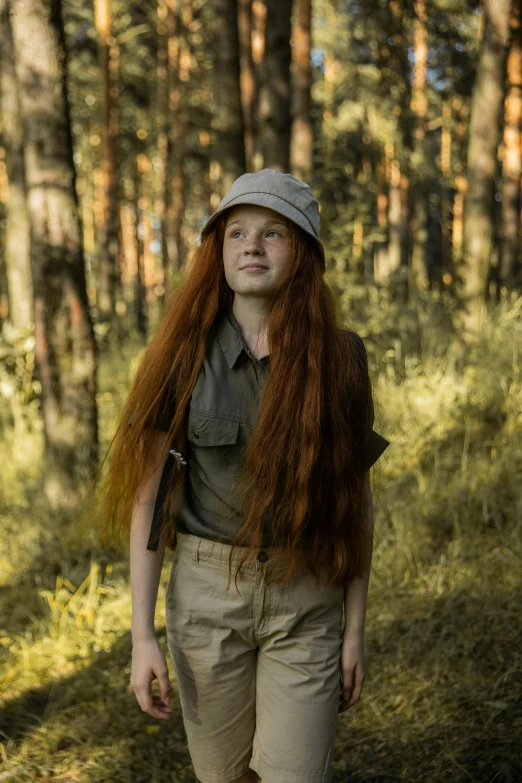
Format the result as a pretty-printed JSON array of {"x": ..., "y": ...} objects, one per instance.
[{"x": 244, "y": 447}]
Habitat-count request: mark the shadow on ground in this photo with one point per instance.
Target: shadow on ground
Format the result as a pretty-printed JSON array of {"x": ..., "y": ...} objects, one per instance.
[{"x": 94, "y": 717}]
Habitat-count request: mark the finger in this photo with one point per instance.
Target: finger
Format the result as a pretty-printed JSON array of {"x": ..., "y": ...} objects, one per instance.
[
  {"x": 156, "y": 712},
  {"x": 156, "y": 708},
  {"x": 149, "y": 703},
  {"x": 159, "y": 709},
  {"x": 347, "y": 683},
  {"x": 160, "y": 704},
  {"x": 144, "y": 696},
  {"x": 164, "y": 686},
  {"x": 357, "y": 686}
]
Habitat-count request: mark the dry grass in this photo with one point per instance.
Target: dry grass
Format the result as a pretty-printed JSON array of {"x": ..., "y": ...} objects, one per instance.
[{"x": 442, "y": 699}]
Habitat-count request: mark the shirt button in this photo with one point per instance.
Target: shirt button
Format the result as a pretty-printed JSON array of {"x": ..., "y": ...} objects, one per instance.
[
  {"x": 262, "y": 557},
  {"x": 196, "y": 434}
]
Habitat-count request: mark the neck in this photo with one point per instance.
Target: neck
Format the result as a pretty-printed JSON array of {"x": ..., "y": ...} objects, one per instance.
[{"x": 251, "y": 315}]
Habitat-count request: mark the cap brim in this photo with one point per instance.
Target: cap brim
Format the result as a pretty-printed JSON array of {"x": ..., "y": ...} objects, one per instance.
[{"x": 269, "y": 201}]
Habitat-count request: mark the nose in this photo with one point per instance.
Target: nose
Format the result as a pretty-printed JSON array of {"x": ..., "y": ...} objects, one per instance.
[{"x": 253, "y": 245}]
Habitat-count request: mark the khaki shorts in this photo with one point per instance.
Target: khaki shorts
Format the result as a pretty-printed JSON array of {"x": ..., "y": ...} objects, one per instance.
[{"x": 258, "y": 674}]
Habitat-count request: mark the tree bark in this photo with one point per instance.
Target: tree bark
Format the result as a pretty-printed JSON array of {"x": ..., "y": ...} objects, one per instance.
[
  {"x": 392, "y": 259},
  {"x": 398, "y": 154},
  {"x": 329, "y": 76},
  {"x": 419, "y": 105},
  {"x": 178, "y": 77},
  {"x": 460, "y": 182},
  {"x": 228, "y": 92},
  {"x": 140, "y": 297},
  {"x": 396, "y": 255},
  {"x": 446, "y": 266},
  {"x": 400, "y": 61},
  {"x": 380, "y": 247},
  {"x": 247, "y": 77},
  {"x": 162, "y": 126},
  {"x": 17, "y": 234},
  {"x": 258, "y": 52},
  {"x": 484, "y": 136},
  {"x": 108, "y": 54},
  {"x": 65, "y": 347},
  {"x": 301, "y": 147},
  {"x": 274, "y": 99},
  {"x": 511, "y": 237}
]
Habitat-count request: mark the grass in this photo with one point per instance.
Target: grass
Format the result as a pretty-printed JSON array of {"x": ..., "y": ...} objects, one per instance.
[{"x": 442, "y": 698}]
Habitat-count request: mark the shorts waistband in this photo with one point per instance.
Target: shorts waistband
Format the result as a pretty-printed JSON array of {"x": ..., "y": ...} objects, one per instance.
[{"x": 215, "y": 550}]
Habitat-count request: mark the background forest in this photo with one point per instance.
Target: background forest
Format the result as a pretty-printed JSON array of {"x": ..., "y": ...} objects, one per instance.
[{"x": 121, "y": 126}]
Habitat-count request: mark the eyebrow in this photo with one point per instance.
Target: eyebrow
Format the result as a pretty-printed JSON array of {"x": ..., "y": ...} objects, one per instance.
[{"x": 268, "y": 223}]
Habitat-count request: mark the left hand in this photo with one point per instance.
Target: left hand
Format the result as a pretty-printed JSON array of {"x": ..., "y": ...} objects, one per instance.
[{"x": 353, "y": 671}]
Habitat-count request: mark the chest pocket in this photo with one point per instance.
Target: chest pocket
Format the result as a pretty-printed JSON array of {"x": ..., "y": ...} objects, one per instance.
[
  {"x": 205, "y": 429},
  {"x": 215, "y": 463}
]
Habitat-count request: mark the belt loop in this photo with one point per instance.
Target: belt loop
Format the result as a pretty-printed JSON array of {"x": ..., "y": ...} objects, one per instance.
[{"x": 197, "y": 550}]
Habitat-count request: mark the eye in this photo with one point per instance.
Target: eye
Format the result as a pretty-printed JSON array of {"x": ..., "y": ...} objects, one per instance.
[{"x": 233, "y": 233}]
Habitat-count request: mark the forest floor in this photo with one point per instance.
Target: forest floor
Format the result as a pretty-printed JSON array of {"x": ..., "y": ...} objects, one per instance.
[{"x": 442, "y": 699}]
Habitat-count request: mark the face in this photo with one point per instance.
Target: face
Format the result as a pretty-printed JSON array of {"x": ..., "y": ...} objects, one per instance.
[{"x": 260, "y": 236}]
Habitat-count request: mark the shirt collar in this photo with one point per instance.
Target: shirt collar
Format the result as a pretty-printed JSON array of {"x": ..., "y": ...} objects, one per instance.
[{"x": 231, "y": 340}]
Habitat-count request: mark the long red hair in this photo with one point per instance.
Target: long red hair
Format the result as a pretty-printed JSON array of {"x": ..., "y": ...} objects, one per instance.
[{"x": 314, "y": 414}]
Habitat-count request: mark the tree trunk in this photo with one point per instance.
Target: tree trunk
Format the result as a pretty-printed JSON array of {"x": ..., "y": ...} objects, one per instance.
[
  {"x": 401, "y": 291},
  {"x": 329, "y": 76},
  {"x": 109, "y": 238},
  {"x": 392, "y": 217},
  {"x": 399, "y": 59},
  {"x": 301, "y": 148},
  {"x": 446, "y": 265},
  {"x": 171, "y": 258},
  {"x": 274, "y": 99},
  {"x": 395, "y": 221},
  {"x": 230, "y": 113},
  {"x": 65, "y": 347},
  {"x": 511, "y": 238},
  {"x": 128, "y": 217},
  {"x": 247, "y": 77},
  {"x": 140, "y": 298},
  {"x": 380, "y": 246},
  {"x": 460, "y": 182},
  {"x": 482, "y": 152},
  {"x": 178, "y": 76},
  {"x": 398, "y": 155},
  {"x": 17, "y": 234},
  {"x": 457, "y": 225},
  {"x": 419, "y": 105},
  {"x": 258, "y": 52},
  {"x": 162, "y": 125},
  {"x": 145, "y": 205}
]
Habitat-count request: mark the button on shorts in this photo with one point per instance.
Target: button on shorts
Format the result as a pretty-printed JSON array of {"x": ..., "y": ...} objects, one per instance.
[{"x": 259, "y": 672}]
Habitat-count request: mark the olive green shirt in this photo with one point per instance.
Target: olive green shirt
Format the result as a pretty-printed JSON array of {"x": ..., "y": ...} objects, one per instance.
[{"x": 221, "y": 418}]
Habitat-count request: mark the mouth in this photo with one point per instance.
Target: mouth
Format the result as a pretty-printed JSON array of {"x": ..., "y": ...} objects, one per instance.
[{"x": 253, "y": 266}]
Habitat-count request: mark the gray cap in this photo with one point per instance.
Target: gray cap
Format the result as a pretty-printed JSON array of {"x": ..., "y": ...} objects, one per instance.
[{"x": 281, "y": 192}]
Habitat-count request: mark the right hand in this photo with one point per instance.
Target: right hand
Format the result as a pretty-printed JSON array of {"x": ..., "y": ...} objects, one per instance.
[{"x": 149, "y": 664}]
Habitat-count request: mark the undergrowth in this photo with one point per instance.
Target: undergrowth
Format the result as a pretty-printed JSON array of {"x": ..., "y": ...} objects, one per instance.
[{"x": 442, "y": 698}]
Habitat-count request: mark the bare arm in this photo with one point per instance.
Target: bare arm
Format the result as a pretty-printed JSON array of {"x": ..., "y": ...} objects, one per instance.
[
  {"x": 353, "y": 666},
  {"x": 148, "y": 660},
  {"x": 145, "y": 564},
  {"x": 356, "y": 591}
]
